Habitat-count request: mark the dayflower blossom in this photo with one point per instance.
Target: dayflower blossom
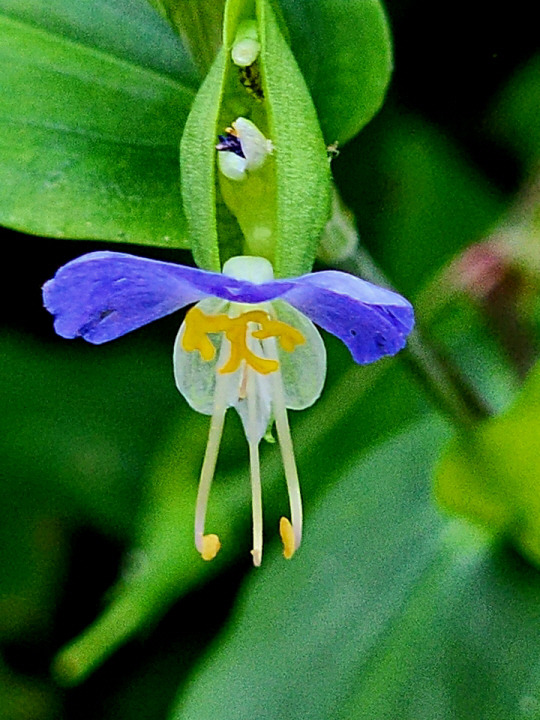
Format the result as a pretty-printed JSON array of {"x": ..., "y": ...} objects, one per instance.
[{"x": 248, "y": 343}]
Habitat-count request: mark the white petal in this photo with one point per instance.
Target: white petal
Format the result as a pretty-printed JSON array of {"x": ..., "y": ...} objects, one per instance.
[
  {"x": 232, "y": 166},
  {"x": 196, "y": 378},
  {"x": 255, "y": 145},
  {"x": 262, "y": 384},
  {"x": 303, "y": 370}
]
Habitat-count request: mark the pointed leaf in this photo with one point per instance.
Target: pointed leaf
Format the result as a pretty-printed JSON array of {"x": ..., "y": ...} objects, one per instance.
[
  {"x": 90, "y": 122},
  {"x": 344, "y": 50}
]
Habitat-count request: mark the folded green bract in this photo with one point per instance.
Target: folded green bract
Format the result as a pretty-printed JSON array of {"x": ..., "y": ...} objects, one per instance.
[{"x": 291, "y": 193}]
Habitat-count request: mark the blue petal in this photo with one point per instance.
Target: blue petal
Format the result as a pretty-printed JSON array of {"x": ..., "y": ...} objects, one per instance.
[
  {"x": 370, "y": 320},
  {"x": 103, "y": 295}
]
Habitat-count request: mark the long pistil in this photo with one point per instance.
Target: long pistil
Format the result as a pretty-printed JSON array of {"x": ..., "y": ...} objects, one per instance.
[
  {"x": 254, "y": 461},
  {"x": 256, "y": 500}
]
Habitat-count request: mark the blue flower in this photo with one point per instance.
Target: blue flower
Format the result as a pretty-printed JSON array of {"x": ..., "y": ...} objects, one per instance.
[{"x": 248, "y": 343}]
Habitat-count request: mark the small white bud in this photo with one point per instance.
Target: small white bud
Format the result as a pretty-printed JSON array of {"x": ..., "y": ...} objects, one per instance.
[{"x": 246, "y": 46}]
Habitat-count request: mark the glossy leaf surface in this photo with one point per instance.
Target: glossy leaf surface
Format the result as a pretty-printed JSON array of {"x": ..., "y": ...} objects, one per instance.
[
  {"x": 344, "y": 50},
  {"x": 91, "y": 122}
]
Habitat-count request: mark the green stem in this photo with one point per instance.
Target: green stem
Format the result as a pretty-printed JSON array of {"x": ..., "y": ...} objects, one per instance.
[{"x": 445, "y": 383}]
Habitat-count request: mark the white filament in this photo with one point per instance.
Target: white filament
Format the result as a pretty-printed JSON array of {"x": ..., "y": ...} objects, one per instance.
[
  {"x": 255, "y": 469},
  {"x": 286, "y": 447},
  {"x": 211, "y": 453}
]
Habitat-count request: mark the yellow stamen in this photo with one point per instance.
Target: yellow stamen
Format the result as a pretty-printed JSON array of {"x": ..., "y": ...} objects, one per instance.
[
  {"x": 287, "y": 536},
  {"x": 288, "y": 336},
  {"x": 199, "y": 325},
  {"x": 210, "y": 547}
]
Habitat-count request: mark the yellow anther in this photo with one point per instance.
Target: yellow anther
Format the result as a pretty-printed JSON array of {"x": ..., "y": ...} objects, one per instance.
[
  {"x": 210, "y": 547},
  {"x": 199, "y": 325},
  {"x": 288, "y": 336},
  {"x": 236, "y": 335},
  {"x": 287, "y": 537}
]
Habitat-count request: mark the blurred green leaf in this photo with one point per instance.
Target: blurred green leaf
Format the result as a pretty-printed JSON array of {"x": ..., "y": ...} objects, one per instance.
[
  {"x": 515, "y": 116},
  {"x": 460, "y": 327},
  {"x": 465, "y": 646},
  {"x": 33, "y": 548},
  {"x": 492, "y": 476},
  {"x": 79, "y": 425},
  {"x": 389, "y": 612},
  {"x": 418, "y": 201},
  {"x": 344, "y": 50},
  {"x": 166, "y": 562},
  {"x": 24, "y": 698},
  {"x": 78, "y": 428},
  {"x": 91, "y": 122}
]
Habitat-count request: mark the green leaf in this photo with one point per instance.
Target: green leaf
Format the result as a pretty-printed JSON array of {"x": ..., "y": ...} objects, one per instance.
[
  {"x": 198, "y": 23},
  {"x": 302, "y": 169},
  {"x": 344, "y": 50},
  {"x": 198, "y": 165},
  {"x": 492, "y": 476},
  {"x": 90, "y": 122},
  {"x": 389, "y": 612}
]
